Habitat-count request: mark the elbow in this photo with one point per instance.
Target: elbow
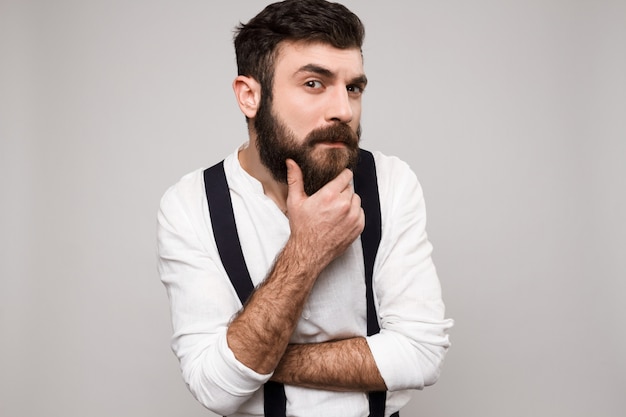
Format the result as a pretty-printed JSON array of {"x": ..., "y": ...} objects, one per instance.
[
  {"x": 430, "y": 374},
  {"x": 219, "y": 382},
  {"x": 431, "y": 364},
  {"x": 211, "y": 396},
  {"x": 407, "y": 363},
  {"x": 218, "y": 407},
  {"x": 416, "y": 367},
  {"x": 421, "y": 374},
  {"x": 427, "y": 364}
]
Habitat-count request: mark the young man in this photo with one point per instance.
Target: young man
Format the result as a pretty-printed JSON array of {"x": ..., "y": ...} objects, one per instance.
[{"x": 299, "y": 223}]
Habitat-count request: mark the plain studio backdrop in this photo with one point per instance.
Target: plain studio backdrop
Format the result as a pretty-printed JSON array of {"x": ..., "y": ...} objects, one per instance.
[{"x": 512, "y": 114}]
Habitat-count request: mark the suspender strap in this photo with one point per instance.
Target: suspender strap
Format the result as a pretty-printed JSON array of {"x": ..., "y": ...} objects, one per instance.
[
  {"x": 274, "y": 399},
  {"x": 229, "y": 248},
  {"x": 231, "y": 255},
  {"x": 225, "y": 230},
  {"x": 366, "y": 186}
]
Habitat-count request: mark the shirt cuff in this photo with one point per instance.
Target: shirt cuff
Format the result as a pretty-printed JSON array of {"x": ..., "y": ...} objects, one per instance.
[
  {"x": 233, "y": 376},
  {"x": 386, "y": 354}
]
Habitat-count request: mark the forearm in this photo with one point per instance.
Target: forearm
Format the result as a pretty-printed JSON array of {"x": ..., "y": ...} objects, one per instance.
[
  {"x": 259, "y": 335},
  {"x": 322, "y": 227},
  {"x": 345, "y": 365}
]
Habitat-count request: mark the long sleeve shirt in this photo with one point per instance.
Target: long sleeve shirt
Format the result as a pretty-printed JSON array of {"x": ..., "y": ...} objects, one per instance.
[{"x": 410, "y": 348}]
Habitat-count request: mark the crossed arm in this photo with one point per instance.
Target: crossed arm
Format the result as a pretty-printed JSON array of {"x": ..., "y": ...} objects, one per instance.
[
  {"x": 322, "y": 227},
  {"x": 344, "y": 365},
  {"x": 409, "y": 351}
]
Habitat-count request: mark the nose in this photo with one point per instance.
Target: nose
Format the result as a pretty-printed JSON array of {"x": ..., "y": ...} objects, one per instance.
[{"x": 340, "y": 106}]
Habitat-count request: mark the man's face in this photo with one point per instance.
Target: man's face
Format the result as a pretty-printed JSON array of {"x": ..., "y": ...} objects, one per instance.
[{"x": 315, "y": 113}]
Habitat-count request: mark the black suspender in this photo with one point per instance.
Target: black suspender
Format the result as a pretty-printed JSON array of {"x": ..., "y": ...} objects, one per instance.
[
  {"x": 366, "y": 186},
  {"x": 229, "y": 248},
  {"x": 225, "y": 230}
]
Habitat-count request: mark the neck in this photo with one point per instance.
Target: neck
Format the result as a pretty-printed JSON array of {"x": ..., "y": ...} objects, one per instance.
[{"x": 251, "y": 163}]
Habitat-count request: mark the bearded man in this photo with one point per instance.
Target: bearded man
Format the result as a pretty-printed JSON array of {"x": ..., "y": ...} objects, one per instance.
[{"x": 300, "y": 343}]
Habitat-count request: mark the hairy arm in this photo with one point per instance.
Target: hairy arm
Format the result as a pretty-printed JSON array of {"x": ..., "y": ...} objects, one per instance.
[
  {"x": 410, "y": 352},
  {"x": 322, "y": 227},
  {"x": 344, "y": 365},
  {"x": 259, "y": 335}
]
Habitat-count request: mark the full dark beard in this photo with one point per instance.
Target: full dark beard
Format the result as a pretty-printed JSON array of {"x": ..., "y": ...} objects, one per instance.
[{"x": 319, "y": 166}]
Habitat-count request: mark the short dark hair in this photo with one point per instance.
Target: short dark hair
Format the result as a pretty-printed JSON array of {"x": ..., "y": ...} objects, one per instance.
[{"x": 256, "y": 42}]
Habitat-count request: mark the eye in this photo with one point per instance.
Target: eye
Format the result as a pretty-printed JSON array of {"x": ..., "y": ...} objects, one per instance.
[
  {"x": 355, "y": 89},
  {"x": 314, "y": 84}
]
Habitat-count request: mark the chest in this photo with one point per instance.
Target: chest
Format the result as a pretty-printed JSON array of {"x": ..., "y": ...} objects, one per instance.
[{"x": 336, "y": 306}]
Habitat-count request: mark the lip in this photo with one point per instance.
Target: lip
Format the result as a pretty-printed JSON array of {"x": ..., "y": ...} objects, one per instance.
[{"x": 332, "y": 144}]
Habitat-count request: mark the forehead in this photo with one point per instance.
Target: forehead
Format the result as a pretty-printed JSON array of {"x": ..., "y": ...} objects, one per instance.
[{"x": 293, "y": 56}]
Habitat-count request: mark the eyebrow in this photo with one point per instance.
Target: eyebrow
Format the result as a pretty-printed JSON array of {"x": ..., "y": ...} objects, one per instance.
[{"x": 325, "y": 72}]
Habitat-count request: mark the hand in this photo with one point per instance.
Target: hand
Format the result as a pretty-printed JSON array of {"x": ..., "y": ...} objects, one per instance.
[{"x": 326, "y": 223}]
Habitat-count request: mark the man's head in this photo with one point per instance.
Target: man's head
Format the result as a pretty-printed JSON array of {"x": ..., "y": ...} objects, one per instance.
[
  {"x": 257, "y": 42},
  {"x": 305, "y": 57}
]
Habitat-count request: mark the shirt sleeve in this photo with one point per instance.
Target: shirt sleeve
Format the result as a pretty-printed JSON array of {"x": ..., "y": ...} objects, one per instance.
[
  {"x": 202, "y": 301},
  {"x": 411, "y": 346}
]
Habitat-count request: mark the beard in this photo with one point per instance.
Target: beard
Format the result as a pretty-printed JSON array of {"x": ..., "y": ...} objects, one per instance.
[{"x": 276, "y": 142}]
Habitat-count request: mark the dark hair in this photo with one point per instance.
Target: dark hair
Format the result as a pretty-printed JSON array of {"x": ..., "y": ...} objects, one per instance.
[{"x": 256, "y": 43}]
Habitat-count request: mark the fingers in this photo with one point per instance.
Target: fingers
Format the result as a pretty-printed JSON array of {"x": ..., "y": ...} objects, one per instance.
[
  {"x": 295, "y": 181},
  {"x": 341, "y": 183},
  {"x": 327, "y": 222}
]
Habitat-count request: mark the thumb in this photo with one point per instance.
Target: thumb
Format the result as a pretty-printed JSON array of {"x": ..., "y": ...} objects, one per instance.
[{"x": 294, "y": 181}]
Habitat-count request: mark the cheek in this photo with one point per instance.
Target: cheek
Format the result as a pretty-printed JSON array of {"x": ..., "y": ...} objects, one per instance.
[
  {"x": 356, "y": 116},
  {"x": 298, "y": 121}
]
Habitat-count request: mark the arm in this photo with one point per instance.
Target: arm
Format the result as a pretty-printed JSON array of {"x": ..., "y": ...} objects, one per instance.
[
  {"x": 413, "y": 341},
  {"x": 409, "y": 351},
  {"x": 202, "y": 299},
  {"x": 322, "y": 227},
  {"x": 345, "y": 365}
]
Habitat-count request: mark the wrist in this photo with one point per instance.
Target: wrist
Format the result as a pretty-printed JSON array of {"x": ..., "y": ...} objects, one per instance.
[{"x": 304, "y": 258}]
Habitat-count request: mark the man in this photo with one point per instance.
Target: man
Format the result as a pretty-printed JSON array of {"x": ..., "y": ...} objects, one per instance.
[{"x": 299, "y": 221}]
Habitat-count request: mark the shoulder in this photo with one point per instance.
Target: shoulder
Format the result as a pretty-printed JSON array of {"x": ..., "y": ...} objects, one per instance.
[
  {"x": 186, "y": 190},
  {"x": 394, "y": 174},
  {"x": 183, "y": 206},
  {"x": 388, "y": 163},
  {"x": 400, "y": 193}
]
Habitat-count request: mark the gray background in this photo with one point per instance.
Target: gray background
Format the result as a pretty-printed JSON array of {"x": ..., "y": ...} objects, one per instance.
[{"x": 511, "y": 113}]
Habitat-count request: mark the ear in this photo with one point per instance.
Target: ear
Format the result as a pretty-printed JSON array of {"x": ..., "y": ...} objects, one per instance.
[{"x": 248, "y": 94}]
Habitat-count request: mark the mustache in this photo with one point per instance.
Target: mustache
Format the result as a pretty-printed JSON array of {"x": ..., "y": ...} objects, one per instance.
[{"x": 335, "y": 133}]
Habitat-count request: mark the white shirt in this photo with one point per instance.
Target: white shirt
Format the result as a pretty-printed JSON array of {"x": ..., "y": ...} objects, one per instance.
[{"x": 413, "y": 340}]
